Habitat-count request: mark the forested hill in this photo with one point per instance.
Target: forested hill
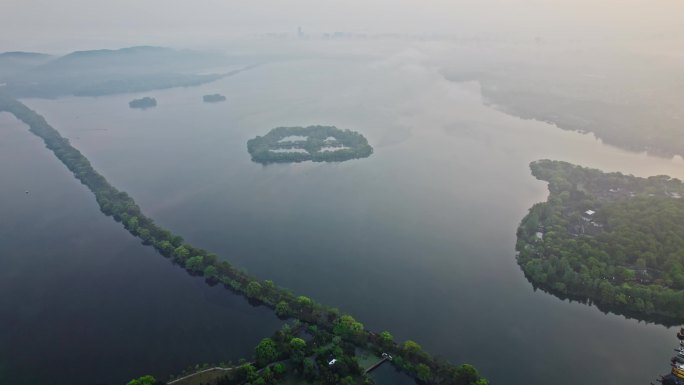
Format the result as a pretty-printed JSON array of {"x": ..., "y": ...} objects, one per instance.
[
  {"x": 13, "y": 63},
  {"x": 615, "y": 240},
  {"x": 106, "y": 72}
]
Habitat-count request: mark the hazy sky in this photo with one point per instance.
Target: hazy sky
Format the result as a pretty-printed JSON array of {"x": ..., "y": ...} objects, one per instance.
[{"x": 80, "y": 24}]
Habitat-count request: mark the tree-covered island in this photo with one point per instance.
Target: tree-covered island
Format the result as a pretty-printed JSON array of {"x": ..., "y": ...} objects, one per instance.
[
  {"x": 326, "y": 323},
  {"x": 213, "y": 98},
  {"x": 610, "y": 239},
  {"x": 315, "y": 143},
  {"x": 143, "y": 103}
]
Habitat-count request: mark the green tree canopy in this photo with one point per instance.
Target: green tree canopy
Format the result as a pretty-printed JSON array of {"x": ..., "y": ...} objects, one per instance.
[
  {"x": 210, "y": 271},
  {"x": 279, "y": 369},
  {"x": 282, "y": 309},
  {"x": 248, "y": 371},
  {"x": 266, "y": 352},
  {"x": 181, "y": 253},
  {"x": 195, "y": 263},
  {"x": 347, "y": 326},
  {"x": 467, "y": 374},
  {"x": 412, "y": 346},
  {"x": 165, "y": 247},
  {"x": 254, "y": 289},
  {"x": 386, "y": 337},
  {"x": 144, "y": 380},
  {"x": 423, "y": 372},
  {"x": 297, "y": 344}
]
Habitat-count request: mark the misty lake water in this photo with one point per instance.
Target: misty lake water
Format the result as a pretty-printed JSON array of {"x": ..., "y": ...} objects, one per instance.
[{"x": 417, "y": 239}]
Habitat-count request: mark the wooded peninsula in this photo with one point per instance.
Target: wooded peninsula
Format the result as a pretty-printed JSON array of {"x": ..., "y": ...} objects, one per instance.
[
  {"x": 342, "y": 330},
  {"x": 611, "y": 239}
]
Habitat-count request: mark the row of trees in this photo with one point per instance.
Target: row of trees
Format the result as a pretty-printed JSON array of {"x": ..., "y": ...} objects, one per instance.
[
  {"x": 632, "y": 260},
  {"x": 197, "y": 261}
]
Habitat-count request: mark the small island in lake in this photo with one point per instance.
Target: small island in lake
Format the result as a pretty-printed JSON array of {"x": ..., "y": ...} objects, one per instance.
[
  {"x": 314, "y": 143},
  {"x": 214, "y": 98},
  {"x": 143, "y": 103},
  {"x": 612, "y": 239}
]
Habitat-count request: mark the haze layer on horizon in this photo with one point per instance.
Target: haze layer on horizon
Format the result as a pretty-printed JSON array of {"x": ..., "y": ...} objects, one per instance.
[{"x": 61, "y": 26}]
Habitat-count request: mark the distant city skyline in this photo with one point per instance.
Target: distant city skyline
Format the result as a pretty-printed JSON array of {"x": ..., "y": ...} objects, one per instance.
[{"x": 85, "y": 24}]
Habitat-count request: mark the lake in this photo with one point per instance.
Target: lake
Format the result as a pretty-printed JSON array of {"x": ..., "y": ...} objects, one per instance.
[
  {"x": 417, "y": 239},
  {"x": 82, "y": 301}
]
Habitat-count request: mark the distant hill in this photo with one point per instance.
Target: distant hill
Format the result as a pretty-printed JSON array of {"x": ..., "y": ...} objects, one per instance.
[
  {"x": 629, "y": 100},
  {"x": 135, "y": 59},
  {"x": 103, "y": 72},
  {"x": 20, "y": 55},
  {"x": 13, "y": 63}
]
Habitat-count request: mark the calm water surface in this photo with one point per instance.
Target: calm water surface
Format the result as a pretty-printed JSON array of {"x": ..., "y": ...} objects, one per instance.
[
  {"x": 418, "y": 239},
  {"x": 83, "y": 302}
]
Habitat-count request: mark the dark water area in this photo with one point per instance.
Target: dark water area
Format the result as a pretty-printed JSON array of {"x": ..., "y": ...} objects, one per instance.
[
  {"x": 386, "y": 374},
  {"x": 417, "y": 239},
  {"x": 83, "y": 302}
]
